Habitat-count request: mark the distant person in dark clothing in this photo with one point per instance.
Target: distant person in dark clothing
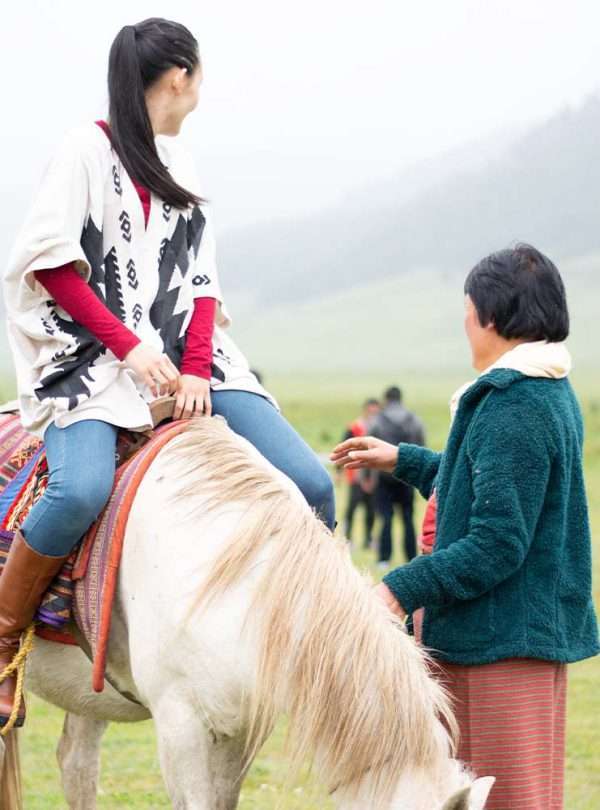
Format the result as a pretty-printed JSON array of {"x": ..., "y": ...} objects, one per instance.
[
  {"x": 396, "y": 424},
  {"x": 361, "y": 483}
]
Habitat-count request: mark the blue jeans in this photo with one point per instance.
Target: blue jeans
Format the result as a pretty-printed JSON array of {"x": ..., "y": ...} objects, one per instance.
[
  {"x": 254, "y": 418},
  {"x": 81, "y": 460}
]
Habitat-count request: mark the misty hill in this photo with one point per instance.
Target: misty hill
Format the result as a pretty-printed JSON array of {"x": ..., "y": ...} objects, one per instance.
[
  {"x": 544, "y": 188},
  {"x": 410, "y": 323}
]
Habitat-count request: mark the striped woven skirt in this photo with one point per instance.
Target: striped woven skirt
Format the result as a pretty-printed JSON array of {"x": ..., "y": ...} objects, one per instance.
[{"x": 511, "y": 716}]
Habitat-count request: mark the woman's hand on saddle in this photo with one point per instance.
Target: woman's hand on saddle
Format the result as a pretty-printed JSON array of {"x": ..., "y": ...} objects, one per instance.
[
  {"x": 365, "y": 451},
  {"x": 154, "y": 368},
  {"x": 193, "y": 397}
]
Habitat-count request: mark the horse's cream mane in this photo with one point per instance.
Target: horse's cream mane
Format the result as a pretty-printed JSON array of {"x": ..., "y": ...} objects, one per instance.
[{"x": 355, "y": 687}]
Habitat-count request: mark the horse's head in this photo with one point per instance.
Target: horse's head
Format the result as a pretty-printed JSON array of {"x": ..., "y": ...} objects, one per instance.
[
  {"x": 417, "y": 790},
  {"x": 454, "y": 788}
]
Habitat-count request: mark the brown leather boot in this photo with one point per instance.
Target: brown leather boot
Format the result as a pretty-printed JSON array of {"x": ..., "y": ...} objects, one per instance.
[{"x": 25, "y": 579}]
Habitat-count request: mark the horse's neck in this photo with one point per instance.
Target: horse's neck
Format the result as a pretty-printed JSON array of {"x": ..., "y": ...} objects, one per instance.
[{"x": 166, "y": 558}]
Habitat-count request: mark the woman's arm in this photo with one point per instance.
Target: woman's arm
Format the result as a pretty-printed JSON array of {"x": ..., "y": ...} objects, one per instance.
[
  {"x": 77, "y": 298},
  {"x": 193, "y": 392},
  {"x": 197, "y": 355},
  {"x": 511, "y": 463},
  {"x": 417, "y": 466}
]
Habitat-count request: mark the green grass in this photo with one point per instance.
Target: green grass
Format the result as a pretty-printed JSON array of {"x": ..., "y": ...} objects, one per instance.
[{"x": 320, "y": 408}]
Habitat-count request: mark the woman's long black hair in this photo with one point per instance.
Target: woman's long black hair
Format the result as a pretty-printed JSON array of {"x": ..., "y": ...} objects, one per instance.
[{"x": 139, "y": 55}]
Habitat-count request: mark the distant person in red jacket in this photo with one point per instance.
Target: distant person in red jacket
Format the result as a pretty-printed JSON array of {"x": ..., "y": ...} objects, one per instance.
[
  {"x": 426, "y": 544},
  {"x": 427, "y": 537},
  {"x": 361, "y": 483}
]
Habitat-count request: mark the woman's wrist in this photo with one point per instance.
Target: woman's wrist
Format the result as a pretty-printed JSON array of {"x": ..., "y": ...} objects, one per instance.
[
  {"x": 389, "y": 600},
  {"x": 393, "y": 461},
  {"x": 191, "y": 371},
  {"x": 126, "y": 344}
]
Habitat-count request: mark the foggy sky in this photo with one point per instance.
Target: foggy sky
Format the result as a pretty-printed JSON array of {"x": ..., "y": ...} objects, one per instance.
[{"x": 302, "y": 101}]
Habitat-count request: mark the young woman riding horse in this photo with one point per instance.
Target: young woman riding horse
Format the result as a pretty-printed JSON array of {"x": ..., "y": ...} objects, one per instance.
[{"x": 113, "y": 299}]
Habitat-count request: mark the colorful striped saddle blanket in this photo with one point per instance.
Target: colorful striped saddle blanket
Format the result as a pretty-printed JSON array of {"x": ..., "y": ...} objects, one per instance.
[{"x": 84, "y": 589}]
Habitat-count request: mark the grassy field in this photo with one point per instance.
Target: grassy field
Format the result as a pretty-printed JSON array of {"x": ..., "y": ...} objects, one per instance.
[{"x": 320, "y": 408}]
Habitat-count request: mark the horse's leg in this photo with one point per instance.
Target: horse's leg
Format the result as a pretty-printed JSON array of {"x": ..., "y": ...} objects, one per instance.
[
  {"x": 226, "y": 756},
  {"x": 202, "y": 770},
  {"x": 78, "y": 756}
]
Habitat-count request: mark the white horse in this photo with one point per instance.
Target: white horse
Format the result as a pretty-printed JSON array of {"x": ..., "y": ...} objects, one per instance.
[{"x": 235, "y": 604}]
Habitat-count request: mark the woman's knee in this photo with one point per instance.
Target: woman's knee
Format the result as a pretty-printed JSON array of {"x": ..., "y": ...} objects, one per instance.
[
  {"x": 82, "y": 500},
  {"x": 65, "y": 512}
]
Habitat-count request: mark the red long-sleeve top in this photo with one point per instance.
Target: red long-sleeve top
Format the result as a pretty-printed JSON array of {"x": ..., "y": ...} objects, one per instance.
[{"x": 75, "y": 296}]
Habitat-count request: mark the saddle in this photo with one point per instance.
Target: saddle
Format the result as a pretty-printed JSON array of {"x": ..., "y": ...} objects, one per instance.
[{"x": 82, "y": 593}]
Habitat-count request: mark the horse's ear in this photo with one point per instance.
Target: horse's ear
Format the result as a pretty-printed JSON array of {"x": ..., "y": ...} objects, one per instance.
[
  {"x": 472, "y": 797},
  {"x": 480, "y": 790},
  {"x": 459, "y": 801}
]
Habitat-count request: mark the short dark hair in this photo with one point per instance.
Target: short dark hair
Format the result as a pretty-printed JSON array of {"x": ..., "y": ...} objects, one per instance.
[
  {"x": 371, "y": 401},
  {"x": 520, "y": 292},
  {"x": 393, "y": 394}
]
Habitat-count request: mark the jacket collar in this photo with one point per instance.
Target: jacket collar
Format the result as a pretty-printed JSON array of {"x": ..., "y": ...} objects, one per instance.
[{"x": 498, "y": 378}]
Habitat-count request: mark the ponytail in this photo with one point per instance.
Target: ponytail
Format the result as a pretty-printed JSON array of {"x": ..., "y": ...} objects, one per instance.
[{"x": 139, "y": 55}]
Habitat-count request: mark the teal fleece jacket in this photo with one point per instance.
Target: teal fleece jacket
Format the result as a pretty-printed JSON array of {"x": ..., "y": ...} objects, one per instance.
[{"x": 510, "y": 574}]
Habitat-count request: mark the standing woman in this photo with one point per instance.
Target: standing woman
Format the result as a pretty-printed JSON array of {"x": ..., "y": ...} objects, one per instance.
[
  {"x": 507, "y": 590},
  {"x": 113, "y": 299}
]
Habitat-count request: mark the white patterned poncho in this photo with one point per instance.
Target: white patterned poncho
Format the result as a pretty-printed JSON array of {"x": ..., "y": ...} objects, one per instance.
[{"x": 87, "y": 211}]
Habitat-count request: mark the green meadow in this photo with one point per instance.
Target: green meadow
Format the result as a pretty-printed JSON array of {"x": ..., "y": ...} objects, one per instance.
[{"x": 320, "y": 408}]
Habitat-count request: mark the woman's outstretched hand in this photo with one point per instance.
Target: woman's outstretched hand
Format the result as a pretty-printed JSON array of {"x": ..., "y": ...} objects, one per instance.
[
  {"x": 154, "y": 368},
  {"x": 193, "y": 397},
  {"x": 365, "y": 451}
]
